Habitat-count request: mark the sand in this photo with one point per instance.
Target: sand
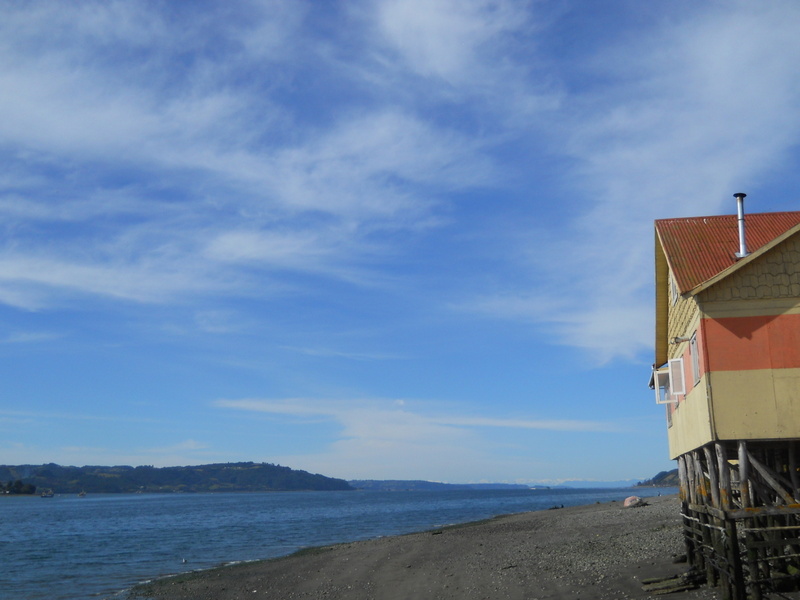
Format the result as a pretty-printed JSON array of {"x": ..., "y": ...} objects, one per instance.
[{"x": 596, "y": 551}]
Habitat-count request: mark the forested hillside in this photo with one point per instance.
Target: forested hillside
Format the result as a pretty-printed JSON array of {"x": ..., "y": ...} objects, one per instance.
[
  {"x": 225, "y": 477},
  {"x": 663, "y": 479}
]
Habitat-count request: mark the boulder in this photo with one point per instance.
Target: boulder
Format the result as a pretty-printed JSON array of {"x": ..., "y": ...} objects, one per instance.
[{"x": 633, "y": 502}]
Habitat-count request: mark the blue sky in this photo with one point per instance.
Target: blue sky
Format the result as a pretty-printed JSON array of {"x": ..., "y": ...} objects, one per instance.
[{"x": 370, "y": 239}]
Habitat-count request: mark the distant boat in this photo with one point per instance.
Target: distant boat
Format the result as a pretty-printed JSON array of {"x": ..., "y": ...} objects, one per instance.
[
  {"x": 47, "y": 494},
  {"x": 81, "y": 494}
]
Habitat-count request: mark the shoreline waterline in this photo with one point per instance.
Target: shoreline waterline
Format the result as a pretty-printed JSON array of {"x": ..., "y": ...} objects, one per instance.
[
  {"x": 536, "y": 554},
  {"x": 69, "y": 548}
]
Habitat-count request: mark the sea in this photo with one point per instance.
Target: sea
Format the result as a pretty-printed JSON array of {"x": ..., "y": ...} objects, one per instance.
[{"x": 99, "y": 546}]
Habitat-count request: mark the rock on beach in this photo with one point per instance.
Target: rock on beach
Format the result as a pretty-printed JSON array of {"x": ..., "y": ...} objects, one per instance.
[{"x": 600, "y": 551}]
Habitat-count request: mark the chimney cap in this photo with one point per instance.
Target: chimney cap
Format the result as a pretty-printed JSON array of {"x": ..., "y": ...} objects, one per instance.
[{"x": 739, "y": 195}]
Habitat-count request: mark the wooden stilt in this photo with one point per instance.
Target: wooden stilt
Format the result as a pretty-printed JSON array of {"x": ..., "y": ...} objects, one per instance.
[
  {"x": 742, "y": 518},
  {"x": 744, "y": 476},
  {"x": 724, "y": 477},
  {"x": 793, "y": 476},
  {"x": 713, "y": 480}
]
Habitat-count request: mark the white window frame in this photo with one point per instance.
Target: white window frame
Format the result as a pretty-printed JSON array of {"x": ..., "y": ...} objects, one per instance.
[
  {"x": 677, "y": 384},
  {"x": 662, "y": 389}
]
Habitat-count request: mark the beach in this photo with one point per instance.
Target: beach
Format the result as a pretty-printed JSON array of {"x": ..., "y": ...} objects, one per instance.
[{"x": 594, "y": 551}]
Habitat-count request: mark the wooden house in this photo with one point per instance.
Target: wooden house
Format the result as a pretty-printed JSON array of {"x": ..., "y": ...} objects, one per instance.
[{"x": 727, "y": 368}]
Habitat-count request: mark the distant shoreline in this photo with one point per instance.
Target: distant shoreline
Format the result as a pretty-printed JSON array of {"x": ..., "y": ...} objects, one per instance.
[{"x": 547, "y": 553}]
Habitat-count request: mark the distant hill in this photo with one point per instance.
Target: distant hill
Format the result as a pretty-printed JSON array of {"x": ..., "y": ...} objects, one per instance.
[
  {"x": 224, "y": 477},
  {"x": 583, "y": 484},
  {"x": 394, "y": 485},
  {"x": 663, "y": 479}
]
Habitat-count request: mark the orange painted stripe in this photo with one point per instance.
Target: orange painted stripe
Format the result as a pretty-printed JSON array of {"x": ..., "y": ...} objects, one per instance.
[{"x": 748, "y": 343}]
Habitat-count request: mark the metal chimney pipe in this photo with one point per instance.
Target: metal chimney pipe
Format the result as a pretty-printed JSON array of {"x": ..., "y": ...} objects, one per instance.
[{"x": 742, "y": 241}]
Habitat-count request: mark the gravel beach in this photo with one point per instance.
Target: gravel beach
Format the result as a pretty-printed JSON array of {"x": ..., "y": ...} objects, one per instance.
[{"x": 595, "y": 551}]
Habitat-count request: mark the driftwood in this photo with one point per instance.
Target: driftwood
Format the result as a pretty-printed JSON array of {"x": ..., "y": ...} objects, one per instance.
[{"x": 660, "y": 586}]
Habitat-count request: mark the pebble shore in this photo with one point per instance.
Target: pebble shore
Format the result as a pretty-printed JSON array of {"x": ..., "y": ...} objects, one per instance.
[{"x": 601, "y": 551}]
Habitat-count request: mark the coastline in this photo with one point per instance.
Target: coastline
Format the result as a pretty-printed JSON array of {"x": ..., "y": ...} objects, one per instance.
[{"x": 592, "y": 551}]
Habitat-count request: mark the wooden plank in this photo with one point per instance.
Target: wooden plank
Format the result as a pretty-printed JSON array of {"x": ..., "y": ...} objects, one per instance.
[
  {"x": 748, "y": 513},
  {"x": 772, "y": 480},
  {"x": 763, "y": 511},
  {"x": 774, "y": 528},
  {"x": 776, "y": 543}
]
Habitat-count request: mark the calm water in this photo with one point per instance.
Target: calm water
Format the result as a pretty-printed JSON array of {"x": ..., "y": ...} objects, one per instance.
[{"x": 69, "y": 548}]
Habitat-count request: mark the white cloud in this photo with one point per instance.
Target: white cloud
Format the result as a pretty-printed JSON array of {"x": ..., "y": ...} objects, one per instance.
[
  {"x": 455, "y": 41},
  {"x": 683, "y": 116},
  {"x": 32, "y": 280},
  {"x": 669, "y": 123},
  {"x": 258, "y": 187},
  {"x": 400, "y": 439}
]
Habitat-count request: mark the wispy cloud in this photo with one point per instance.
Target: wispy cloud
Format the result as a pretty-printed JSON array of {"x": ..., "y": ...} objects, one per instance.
[
  {"x": 29, "y": 337},
  {"x": 683, "y": 115},
  {"x": 333, "y": 353},
  {"x": 373, "y": 415},
  {"x": 371, "y": 182},
  {"x": 61, "y": 415},
  {"x": 396, "y": 436},
  {"x": 256, "y": 184}
]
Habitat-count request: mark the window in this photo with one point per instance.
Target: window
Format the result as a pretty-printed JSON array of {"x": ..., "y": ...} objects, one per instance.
[
  {"x": 662, "y": 388},
  {"x": 677, "y": 384},
  {"x": 695, "y": 358}
]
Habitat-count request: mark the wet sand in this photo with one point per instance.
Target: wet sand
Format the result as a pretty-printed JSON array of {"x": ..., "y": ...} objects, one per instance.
[{"x": 595, "y": 551}]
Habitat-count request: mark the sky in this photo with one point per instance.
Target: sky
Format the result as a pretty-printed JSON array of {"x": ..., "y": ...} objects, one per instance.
[{"x": 370, "y": 239}]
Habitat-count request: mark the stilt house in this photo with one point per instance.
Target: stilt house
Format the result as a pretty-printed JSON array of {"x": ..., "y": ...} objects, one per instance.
[{"x": 727, "y": 368}]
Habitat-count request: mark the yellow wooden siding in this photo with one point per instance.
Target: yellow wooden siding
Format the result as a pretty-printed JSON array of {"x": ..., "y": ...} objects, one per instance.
[
  {"x": 683, "y": 318},
  {"x": 756, "y": 405},
  {"x": 691, "y": 422}
]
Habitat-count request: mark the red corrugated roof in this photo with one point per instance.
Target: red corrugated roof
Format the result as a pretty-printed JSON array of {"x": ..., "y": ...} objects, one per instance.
[{"x": 698, "y": 248}]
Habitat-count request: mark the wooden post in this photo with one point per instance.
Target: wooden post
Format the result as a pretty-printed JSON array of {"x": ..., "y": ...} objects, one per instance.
[
  {"x": 744, "y": 476},
  {"x": 713, "y": 481},
  {"x": 752, "y": 562},
  {"x": 731, "y": 536},
  {"x": 703, "y": 495},
  {"x": 793, "y": 470},
  {"x": 688, "y": 530},
  {"x": 704, "y": 499},
  {"x": 692, "y": 488},
  {"x": 683, "y": 479},
  {"x": 724, "y": 477}
]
